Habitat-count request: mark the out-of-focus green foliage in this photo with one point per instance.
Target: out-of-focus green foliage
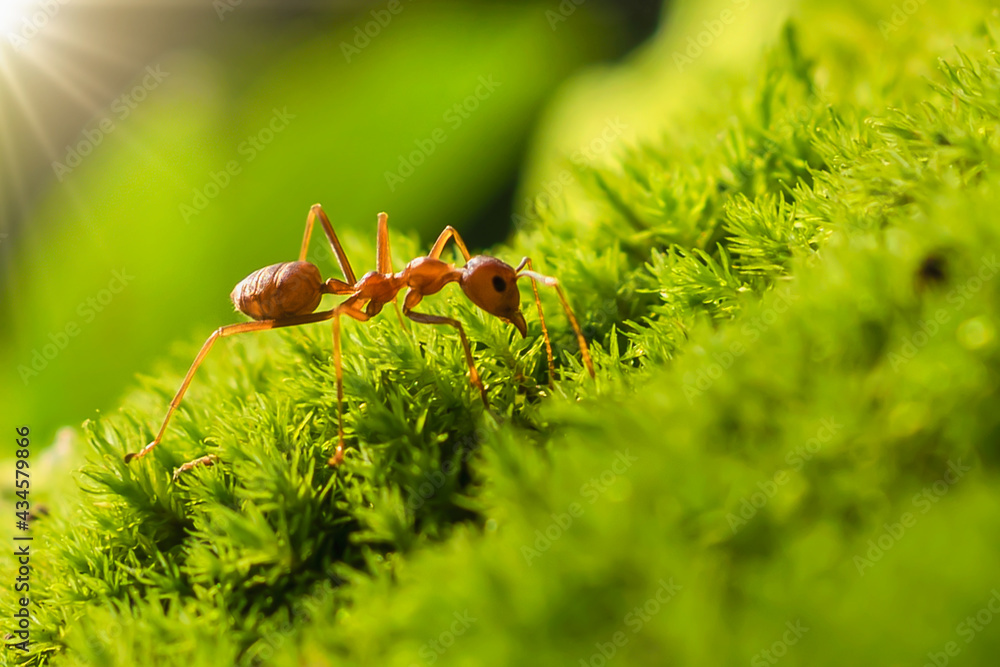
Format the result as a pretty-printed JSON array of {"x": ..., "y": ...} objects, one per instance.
[
  {"x": 790, "y": 452},
  {"x": 314, "y": 124}
]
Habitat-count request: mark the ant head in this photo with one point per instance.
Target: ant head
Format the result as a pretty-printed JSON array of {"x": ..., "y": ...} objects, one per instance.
[{"x": 492, "y": 285}]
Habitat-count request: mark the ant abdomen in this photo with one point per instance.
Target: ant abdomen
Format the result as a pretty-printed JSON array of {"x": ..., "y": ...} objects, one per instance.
[{"x": 279, "y": 291}]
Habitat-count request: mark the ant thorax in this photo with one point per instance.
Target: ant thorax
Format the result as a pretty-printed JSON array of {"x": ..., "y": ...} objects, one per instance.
[
  {"x": 379, "y": 287},
  {"x": 428, "y": 275}
]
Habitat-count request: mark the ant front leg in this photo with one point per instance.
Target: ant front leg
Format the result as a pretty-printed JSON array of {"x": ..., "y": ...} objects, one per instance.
[
  {"x": 412, "y": 299},
  {"x": 541, "y": 318},
  {"x": 549, "y": 281}
]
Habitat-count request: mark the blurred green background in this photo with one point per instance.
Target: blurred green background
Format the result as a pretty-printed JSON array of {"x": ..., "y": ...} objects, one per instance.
[{"x": 156, "y": 153}]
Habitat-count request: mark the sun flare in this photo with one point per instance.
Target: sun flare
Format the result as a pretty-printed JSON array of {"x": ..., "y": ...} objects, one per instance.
[
  {"x": 14, "y": 12},
  {"x": 40, "y": 49}
]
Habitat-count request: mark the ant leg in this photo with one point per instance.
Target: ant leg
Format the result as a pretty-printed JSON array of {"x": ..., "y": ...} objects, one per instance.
[
  {"x": 383, "y": 262},
  {"x": 399, "y": 314},
  {"x": 222, "y": 332},
  {"x": 384, "y": 259},
  {"x": 412, "y": 299},
  {"x": 448, "y": 234},
  {"x": 549, "y": 281},
  {"x": 349, "y": 309},
  {"x": 338, "y": 250},
  {"x": 337, "y": 287},
  {"x": 209, "y": 460},
  {"x": 541, "y": 317}
]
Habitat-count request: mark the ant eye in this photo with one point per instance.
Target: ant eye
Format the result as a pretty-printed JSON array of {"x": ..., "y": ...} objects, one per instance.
[{"x": 499, "y": 284}]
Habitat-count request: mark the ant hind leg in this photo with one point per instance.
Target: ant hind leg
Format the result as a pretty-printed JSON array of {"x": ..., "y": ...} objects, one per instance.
[
  {"x": 222, "y": 332},
  {"x": 207, "y": 461},
  {"x": 345, "y": 264}
]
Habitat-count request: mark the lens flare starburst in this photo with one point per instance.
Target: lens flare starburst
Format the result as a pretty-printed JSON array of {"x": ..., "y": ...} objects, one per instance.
[
  {"x": 44, "y": 56},
  {"x": 13, "y": 14}
]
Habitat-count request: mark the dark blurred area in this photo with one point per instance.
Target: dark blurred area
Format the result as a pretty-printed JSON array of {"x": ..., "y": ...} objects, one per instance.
[{"x": 362, "y": 103}]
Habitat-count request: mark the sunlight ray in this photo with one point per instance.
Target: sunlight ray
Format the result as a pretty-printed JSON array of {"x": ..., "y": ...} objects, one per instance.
[
  {"x": 69, "y": 41},
  {"x": 66, "y": 82},
  {"x": 20, "y": 97},
  {"x": 11, "y": 171}
]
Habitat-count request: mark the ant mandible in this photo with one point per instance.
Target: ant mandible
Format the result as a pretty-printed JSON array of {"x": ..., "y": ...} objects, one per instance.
[{"x": 286, "y": 294}]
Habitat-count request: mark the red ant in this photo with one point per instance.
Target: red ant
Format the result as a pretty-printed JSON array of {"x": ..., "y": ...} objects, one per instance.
[{"x": 286, "y": 294}]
